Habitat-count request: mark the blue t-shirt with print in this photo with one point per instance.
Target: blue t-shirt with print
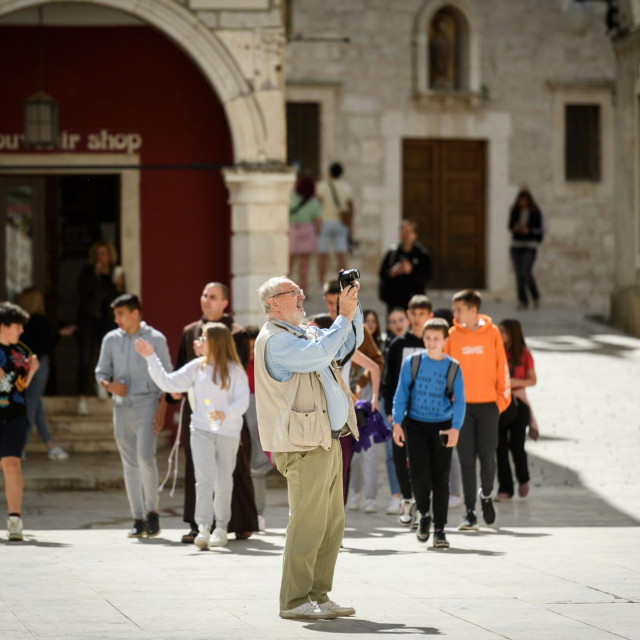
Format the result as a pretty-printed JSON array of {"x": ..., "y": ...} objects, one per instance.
[{"x": 14, "y": 362}]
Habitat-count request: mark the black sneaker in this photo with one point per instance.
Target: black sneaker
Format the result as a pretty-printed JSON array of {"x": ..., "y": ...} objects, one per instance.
[
  {"x": 440, "y": 540},
  {"x": 139, "y": 529},
  {"x": 470, "y": 522},
  {"x": 153, "y": 524},
  {"x": 423, "y": 528},
  {"x": 488, "y": 512}
]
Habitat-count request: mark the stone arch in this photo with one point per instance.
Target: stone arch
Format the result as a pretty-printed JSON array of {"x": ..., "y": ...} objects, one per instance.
[
  {"x": 246, "y": 120},
  {"x": 469, "y": 49}
]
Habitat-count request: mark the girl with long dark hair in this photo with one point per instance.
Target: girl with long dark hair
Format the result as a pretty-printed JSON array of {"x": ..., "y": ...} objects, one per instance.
[{"x": 512, "y": 427}]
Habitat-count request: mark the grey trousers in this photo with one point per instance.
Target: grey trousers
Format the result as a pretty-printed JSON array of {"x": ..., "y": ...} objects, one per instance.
[
  {"x": 478, "y": 438},
  {"x": 214, "y": 459},
  {"x": 260, "y": 465},
  {"x": 364, "y": 471},
  {"x": 136, "y": 441},
  {"x": 455, "y": 476}
]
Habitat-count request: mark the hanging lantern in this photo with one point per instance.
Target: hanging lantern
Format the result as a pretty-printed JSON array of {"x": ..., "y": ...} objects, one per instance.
[{"x": 41, "y": 121}]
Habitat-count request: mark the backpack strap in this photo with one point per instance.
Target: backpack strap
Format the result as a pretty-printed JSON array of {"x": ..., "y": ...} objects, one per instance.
[
  {"x": 415, "y": 367},
  {"x": 454, "y": 365}
]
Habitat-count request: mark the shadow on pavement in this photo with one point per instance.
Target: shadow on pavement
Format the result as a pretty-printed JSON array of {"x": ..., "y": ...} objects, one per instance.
[
  {"x": 349, "y": 626},
  {"x": 558, "y": 498},
  {"x": 31, "y": 541}
]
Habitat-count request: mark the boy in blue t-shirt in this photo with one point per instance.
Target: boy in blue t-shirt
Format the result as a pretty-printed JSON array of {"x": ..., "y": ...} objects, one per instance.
[{"x": 432, "y": 422}]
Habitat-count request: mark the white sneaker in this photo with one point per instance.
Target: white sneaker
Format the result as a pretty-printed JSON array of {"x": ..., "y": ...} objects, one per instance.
[
  {"x": 353, "y": 502},
  {"x": 370, "y": 506},
  {"x": 202, "y": 539},
  {"x": 219, "y": 538},
  {"x": 408, "y": 509},
  {"x": 308, "y": 611},
  {"x": 57, "y": 453},
  {"x": 394, "y": 506},
  {"x": 454, "y": 501},
  {"x": 330, "y": 605},
  {"x": 262, "y": 523},
  {"x": 14, "y": 527},
  {"x": 82, "y": 409}
]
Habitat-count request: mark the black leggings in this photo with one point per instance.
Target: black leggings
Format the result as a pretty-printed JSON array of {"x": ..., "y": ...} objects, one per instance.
[
  {"x": 429, "y": 465},
  {"x": 512, "y": 433}
]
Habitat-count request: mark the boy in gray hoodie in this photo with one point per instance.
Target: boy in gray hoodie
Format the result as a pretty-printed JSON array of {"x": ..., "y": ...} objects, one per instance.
[{"x": 138, "y": 408}]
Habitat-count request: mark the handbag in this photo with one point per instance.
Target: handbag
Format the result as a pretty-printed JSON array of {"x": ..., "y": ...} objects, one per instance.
[{"x": 345, "y": 216}]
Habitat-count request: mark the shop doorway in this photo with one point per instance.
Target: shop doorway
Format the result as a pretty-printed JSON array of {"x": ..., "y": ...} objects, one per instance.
[
  {"x": 47, "y": 226},
  {"x": 443, "y": 190}
]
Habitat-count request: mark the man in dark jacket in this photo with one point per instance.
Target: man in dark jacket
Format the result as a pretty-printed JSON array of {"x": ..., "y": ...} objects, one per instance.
[
  {"x": 405, "y": 270},
  {"x": 244, "y": 516}
]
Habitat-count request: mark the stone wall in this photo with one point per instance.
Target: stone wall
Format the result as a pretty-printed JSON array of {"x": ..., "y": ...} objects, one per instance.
[{"x": 530, "y": 65}]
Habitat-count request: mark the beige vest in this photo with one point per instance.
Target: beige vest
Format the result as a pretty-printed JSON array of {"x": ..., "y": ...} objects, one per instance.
[{"x": 292, "y": 415}]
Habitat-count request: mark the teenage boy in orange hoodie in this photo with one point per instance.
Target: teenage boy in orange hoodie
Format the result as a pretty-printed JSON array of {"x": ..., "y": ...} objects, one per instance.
[{"x": 475, "y": 342}]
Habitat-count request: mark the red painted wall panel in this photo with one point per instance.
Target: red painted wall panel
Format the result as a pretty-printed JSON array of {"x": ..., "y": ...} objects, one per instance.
[{"x": 134, "y": 80}]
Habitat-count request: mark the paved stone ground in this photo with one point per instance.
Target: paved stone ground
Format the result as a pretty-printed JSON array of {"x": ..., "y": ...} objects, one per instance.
[{"x": 564, "y": 563}]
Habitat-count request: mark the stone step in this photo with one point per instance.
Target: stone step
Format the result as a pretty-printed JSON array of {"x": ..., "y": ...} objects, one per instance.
[
  {"x": 89, "y": 442},
  {"x": 68, "y": 405},
  {"x": 75, "y": 433},
  {"x": 95, "y": 472}
]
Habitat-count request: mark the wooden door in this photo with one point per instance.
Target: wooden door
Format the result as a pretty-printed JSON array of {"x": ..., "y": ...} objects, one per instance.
[{"x": 444, "y": 192}]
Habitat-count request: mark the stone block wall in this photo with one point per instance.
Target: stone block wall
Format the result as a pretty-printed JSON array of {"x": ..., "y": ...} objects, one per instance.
[{"x": 530, "y": 64}]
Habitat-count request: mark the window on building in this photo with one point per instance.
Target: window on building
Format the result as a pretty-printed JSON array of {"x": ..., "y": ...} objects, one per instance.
[
  {"x": 582, "y": 142},
  {"x": 303, "y": 137}
]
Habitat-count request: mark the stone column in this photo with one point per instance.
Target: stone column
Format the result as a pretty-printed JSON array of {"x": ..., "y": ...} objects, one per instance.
[{"x": 259, "y": 198}]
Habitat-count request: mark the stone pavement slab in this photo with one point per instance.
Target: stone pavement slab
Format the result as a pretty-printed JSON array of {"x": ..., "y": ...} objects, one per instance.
[{"x": 563, "y": 563}]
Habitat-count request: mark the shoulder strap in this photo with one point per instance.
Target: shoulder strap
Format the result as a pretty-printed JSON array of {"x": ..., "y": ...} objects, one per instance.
[
  {"x": 415, "y": 367},
  {"x": 454, "y": 365},
  {"x": 334, "y": 195}
]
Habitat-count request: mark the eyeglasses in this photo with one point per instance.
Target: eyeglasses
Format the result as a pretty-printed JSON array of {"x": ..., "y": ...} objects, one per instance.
[{"x": 297, "y": 293}]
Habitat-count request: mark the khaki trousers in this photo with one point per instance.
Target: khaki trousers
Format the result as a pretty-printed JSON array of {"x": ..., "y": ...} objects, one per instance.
[{"x": 316, "y": 523}]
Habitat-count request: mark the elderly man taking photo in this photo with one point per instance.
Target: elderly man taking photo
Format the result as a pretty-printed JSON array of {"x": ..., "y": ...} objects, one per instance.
[{"x": 303, "y": 408}]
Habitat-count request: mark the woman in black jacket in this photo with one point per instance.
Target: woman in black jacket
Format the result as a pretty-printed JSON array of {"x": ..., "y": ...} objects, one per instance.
[{"x": 526, "y": 226}]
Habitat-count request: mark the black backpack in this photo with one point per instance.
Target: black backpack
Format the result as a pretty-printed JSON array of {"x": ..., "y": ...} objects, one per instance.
[{"x": 454, "y": 365}]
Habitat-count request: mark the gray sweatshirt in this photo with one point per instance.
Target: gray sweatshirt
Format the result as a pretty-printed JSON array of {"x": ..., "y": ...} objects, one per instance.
[{"x": 120, "y": 362}]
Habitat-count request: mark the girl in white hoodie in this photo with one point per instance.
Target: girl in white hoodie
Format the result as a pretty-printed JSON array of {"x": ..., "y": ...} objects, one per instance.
[{"x": 219, "y": 395}]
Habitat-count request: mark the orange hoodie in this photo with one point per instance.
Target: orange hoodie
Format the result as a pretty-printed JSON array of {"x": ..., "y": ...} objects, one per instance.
[{"x": 483, "y": 362}]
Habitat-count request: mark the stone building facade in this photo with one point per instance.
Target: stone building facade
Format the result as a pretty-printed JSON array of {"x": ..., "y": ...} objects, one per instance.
[
  {"x": 518, "y": 68},
  {"x": 443, "y": 130}
]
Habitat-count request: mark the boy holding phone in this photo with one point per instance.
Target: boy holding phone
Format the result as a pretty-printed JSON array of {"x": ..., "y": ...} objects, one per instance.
[{"x": 428, "y": 411}]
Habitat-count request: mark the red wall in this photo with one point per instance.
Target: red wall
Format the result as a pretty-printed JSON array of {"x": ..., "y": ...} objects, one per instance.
[{"x": 133, "y": 80}]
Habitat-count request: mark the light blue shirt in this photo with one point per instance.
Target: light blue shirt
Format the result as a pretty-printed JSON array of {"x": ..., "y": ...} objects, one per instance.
[{"x": 313, "y": 349}]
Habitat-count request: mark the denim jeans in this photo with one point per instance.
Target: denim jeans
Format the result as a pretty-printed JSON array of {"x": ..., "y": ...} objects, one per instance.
[
  {"x": 33, "y": 395},
  {"x": 523, "y": 259}
]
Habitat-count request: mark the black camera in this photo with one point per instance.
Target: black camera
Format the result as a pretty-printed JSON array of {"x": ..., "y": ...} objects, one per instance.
[{"x": 347, "y": 278}]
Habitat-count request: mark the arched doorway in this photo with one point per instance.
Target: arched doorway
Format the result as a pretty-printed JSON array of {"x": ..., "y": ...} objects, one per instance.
[{"x": 127, "y": 97}]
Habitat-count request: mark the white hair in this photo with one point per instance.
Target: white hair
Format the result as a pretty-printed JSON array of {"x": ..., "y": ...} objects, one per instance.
[{"x": 268, "y": 290}]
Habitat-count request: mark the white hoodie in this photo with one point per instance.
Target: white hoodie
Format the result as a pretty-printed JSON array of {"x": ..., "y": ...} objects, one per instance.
[{"x": 208, "y": 395}]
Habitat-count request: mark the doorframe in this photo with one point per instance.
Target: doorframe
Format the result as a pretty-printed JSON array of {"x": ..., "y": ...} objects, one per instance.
[
  {"x": 130, "y": 239},
  {"x": 494, "y": 128}
]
